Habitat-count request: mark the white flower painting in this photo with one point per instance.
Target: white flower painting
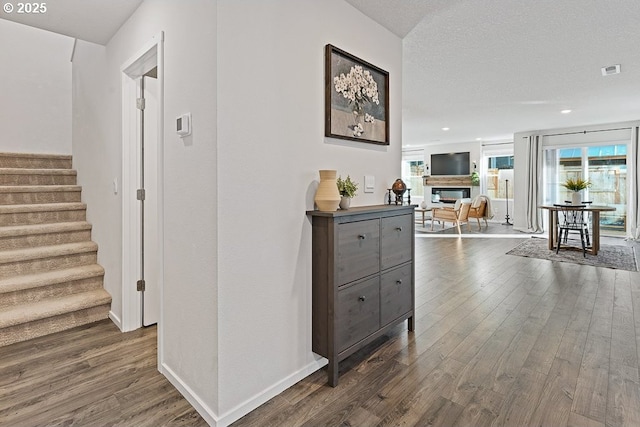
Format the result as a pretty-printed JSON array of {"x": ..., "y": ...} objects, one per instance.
[{"x": 357, "y": 102}]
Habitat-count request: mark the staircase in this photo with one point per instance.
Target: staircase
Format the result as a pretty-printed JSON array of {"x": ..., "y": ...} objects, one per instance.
[{"x": 49, "y": 277}]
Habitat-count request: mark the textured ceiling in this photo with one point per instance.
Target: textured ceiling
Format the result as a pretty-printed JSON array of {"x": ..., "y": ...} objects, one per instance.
[
  {"x": 483, "y": 68},
  {"x": 489, "y": 68},
  {"x": 91, "y": 20}
]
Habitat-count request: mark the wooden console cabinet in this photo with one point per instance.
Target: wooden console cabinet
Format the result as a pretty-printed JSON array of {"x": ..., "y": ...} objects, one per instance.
[{"x": 363, "y": 277}]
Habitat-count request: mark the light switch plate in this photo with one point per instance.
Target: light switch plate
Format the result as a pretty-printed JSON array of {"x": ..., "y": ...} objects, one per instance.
[{"x": 369, "y": 183}]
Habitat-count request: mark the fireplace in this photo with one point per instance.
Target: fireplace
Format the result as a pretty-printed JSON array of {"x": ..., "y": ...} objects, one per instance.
[{"x": 449, "y": 194}]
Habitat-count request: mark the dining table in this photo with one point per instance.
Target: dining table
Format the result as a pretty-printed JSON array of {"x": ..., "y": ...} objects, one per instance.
[{"x": 595, "y": 221}]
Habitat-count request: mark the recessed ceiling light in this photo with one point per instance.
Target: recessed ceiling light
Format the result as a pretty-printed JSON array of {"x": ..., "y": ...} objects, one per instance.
[
  {"x": 611, "y": 69},
  {"x": 565, "y": 111},
  {"x": 478, "y": 139},
  {"x": 445, "y": 129}
]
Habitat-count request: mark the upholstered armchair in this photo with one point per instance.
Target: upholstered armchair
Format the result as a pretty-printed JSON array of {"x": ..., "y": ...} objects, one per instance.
[
  {"x": 478, "y": 210},
  {"x": 458, "y": 214}
]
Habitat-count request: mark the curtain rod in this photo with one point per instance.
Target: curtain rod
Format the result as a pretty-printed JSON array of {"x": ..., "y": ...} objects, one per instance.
[
  {"x": 496, "y": 143},
  {"x": 579, "y": 132}
]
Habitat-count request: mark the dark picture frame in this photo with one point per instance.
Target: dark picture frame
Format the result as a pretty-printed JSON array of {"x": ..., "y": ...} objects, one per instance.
[{"x": 356, "y": 98}]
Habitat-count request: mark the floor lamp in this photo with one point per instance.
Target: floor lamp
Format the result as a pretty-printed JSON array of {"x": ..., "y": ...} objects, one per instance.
[{"x": 506, "y": 218}]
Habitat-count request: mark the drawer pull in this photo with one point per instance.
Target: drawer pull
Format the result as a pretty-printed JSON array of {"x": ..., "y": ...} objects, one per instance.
[
  {"x": 398, "y": 228},
  {"x": 362, "y": 298},
  {"x": 362, "y": 236},
  {"x": 398, "y": 282}
]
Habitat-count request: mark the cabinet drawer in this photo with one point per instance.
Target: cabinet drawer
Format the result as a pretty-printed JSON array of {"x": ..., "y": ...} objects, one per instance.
[
  {"x": 358, "y": 250},
  {"x": 395, "y": 294},
  {"x": 396, "y": 240},
  {"x": 357, "y": 313}
]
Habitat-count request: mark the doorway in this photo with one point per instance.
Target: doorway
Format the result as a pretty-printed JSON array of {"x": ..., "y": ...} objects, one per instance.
[{"x": 142, "y": 172}]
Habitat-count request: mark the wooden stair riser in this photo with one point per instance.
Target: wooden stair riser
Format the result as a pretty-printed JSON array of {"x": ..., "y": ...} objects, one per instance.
[
  {"x": 39, "y": 197},
  {"x": 30, "y": 161},
  {"x": 50, "y": 325},
  {"x": 40, "y": 265},
  {"x": 66, "y": 178},
  {"x": 46, "y": 239},
  {"x": 44, "y": 217},
  {"x": 57, "y": 290}
]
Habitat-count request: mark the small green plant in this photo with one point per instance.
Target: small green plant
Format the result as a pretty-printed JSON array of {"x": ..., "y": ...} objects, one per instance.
[
  {"x": 475, "y": 178},
  {"x": 576, "y": 184},
  {"x": 346, "y": 187}
]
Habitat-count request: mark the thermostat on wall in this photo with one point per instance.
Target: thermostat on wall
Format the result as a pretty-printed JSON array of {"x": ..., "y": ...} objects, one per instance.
[{"x": 183, "y": 125}]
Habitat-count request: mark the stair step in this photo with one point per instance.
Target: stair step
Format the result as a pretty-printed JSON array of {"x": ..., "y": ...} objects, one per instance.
[
  {"x": 45, "y": 317},
  {"x": 41, "y": 259},
  {"x": 18, "y": 176},
  {"x": 49, "y": 277},
  {"x": 35, "y": 161},
  {"x": 38, "y": 194},
  {"x": 43, "y": 213},
  {"x": 31, "y": 288},
  {"x": 29, "y": 236}
]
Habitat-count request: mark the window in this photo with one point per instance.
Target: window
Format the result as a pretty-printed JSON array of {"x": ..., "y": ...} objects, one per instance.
[
  {"x": 412, "y": 172},
  {"x": 499, "y": 170},
  {"x": 604, "y": 165}
]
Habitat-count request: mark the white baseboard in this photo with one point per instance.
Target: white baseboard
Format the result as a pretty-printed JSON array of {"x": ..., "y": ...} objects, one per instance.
[
  {"x": 203, "y": 409},
  {"x": 250, "y": 404},
  {"x": 270, "y": 392},
  {"x": 115, "y": 319}
]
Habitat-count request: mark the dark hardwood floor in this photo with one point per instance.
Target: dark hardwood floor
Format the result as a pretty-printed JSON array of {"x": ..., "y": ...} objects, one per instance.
[
  {"x": 92, "y": 375},
  {"x": 500, "y": 340}
]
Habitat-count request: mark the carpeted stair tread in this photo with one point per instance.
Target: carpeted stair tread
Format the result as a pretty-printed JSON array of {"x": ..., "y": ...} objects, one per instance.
[
  {"x": 38, "y": 188},
  {"x": 27, "y": 171},
  {"x": 30, "y": 281},
  {"x": 22, "y": 176},
  {"x": 33, "y": 229},
  {"x": 35, "y": 160},
  {"x": 42, "y": 207},
  {"x": 54, "y": 307},
  {"x": 28, "y": 254}
]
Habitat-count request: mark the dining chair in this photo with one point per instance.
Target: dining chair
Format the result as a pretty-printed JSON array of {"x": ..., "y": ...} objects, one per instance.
[{"x": 571, "y": 218}]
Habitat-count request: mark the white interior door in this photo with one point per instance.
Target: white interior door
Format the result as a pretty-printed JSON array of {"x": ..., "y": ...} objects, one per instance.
[{"x": 150, "y": 241}]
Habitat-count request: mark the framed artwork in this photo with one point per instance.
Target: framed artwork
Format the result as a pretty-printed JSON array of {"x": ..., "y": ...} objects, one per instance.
[{"x": 356, "y": 98}]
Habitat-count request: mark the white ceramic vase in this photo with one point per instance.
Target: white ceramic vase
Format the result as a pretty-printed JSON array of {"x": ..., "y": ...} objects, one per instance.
[
  {"x": 345, "y": 202},
  {"x": 576, "y": 198},
  {"x": 327, "y": 196}
]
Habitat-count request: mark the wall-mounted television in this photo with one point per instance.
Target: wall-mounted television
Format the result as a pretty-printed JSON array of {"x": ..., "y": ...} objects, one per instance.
[{"x": 450, "y": 164}]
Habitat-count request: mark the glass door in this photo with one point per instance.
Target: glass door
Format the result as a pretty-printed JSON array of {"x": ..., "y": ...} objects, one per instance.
[{"x": 605, "y": 166}]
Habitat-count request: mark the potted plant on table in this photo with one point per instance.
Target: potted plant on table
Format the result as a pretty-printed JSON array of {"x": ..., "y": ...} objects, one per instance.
[
  {"x": 347, "y": 189},
  {"x": 576, "y": 185}
]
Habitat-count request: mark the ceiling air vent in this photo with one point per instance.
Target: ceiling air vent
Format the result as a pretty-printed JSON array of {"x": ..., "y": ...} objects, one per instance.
[{"x": 611, "y": 69}]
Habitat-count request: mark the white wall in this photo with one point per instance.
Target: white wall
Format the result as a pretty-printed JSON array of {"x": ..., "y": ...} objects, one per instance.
[
  {"x": 35, "y": 90},
  {"x": 96, "y": 156},
  {"x": 271, "y": 146},
  {"x": 189, "y": 328},
  {"x": 237, "y": 268}
]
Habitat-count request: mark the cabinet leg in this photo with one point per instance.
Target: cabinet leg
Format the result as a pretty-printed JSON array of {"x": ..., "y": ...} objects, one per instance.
[
  {"x": 332, "y": 373},
  {"x": 410, "y": 321}
]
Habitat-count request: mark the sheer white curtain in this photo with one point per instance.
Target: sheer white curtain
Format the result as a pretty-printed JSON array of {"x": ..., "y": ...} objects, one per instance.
[
  {"x": 633, "y": 207},
  {"x": 534, "y": 183}
]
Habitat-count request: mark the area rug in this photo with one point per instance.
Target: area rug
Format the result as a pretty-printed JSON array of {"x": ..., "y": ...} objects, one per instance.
[{"x": 609, "y": 256}]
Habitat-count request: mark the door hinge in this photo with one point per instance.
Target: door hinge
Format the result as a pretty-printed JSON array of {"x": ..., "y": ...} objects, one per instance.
[
  {"x": 141, "y": 285},
  {"x": 140, "y": 194},
  {"x": 140, "y": 103}
]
